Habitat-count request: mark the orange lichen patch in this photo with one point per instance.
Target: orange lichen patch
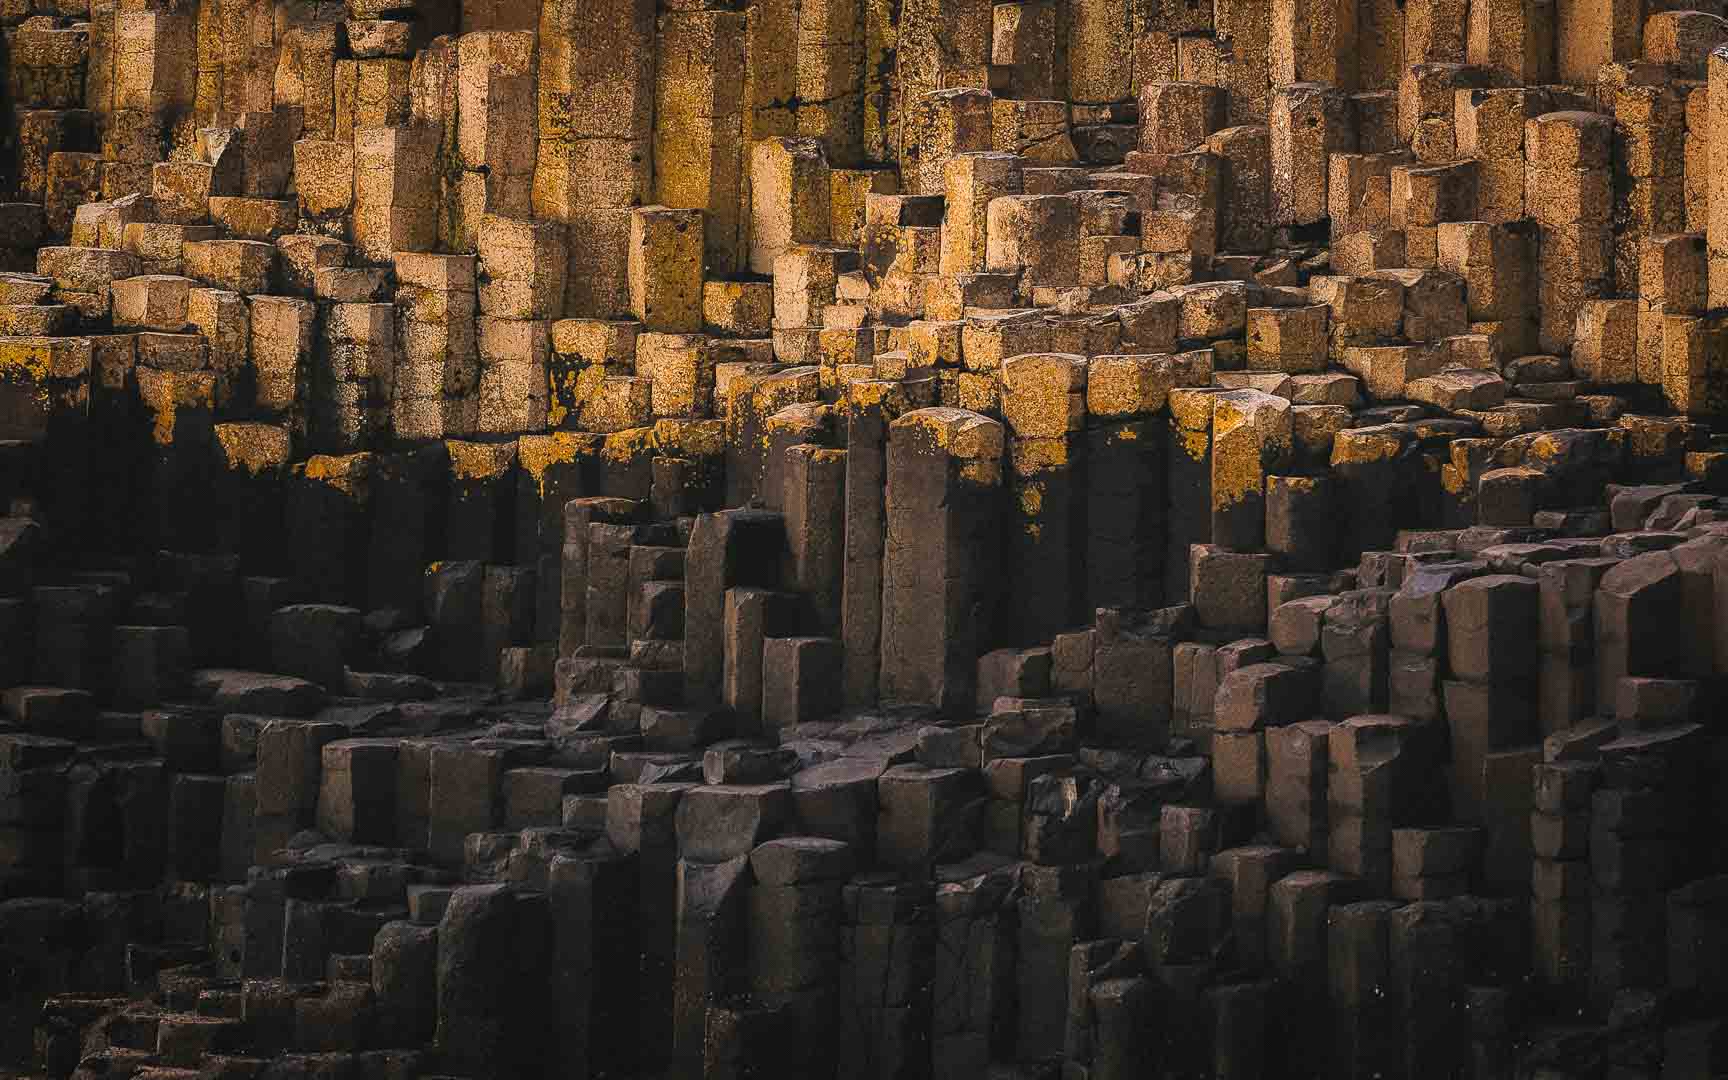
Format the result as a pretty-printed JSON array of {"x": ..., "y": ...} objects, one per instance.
[
  {"x": 787, "y": 387},
  {"x": 1127, "y": 386},
  {"x": 958, "y": 432},
  {"x": 976, "y": 392},
  {"x": 1362, "y": 446},
  {"x": 624, "y": 446},
  {"x": 348, "y": 473},
  {"x": 479, "y": 461},
  {"x": 1251, "y": 433},
  {"x": 1033, "y": 456},
  {"x": 887, "y": 394},
  {"x": 690, "y": 438},
  {"x": 538, "y": 453},
  {"x": 34, "y": 361},
  {"x": 1043, "y": 394},
  {"x": 165, "y": 393},
  {"x": 25, "y": 367},
  {"x": 571, "y": 388},
  {"x": 254, "y": 447},
  {"x": 1655, "y": 436}
]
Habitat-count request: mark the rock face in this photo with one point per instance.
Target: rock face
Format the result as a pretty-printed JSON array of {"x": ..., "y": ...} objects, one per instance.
[{"x": 852, "y": 539}]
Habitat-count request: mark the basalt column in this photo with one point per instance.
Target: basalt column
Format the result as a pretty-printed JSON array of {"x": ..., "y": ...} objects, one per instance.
[{"x": 944, "y": 479}]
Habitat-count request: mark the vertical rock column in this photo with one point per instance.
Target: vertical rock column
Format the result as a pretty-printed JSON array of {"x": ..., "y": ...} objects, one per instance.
[
  {"x": 1189, "y": 483},
  {"x": 944, "y": 476},
  {"x": 1497, "y": 263},
  {"x": 1590, "y": 33},
  {"x": 1044, "y": 403},
  {"x": 888, "y": 944},
  {"x": 520, "y": 288},
  {"x": 329, "y": 525},
  {"x": 1560, "y": 881},
  {"x": 732, "y": 547},
  {"x": 1125, "y": 481},
  {"x": 1492, "y": 638},
  {"x": 1648, "y": 166},
  {"x": 437, "y": 370},
  {"x": 45, "y": 397},
  {"x": 814, "y": 504},
  {"x": 1418, "y": 626},
  {"x": 408, "y": 497},
  {"x": 972, "y": 991},
  {"x": 351, "y": 388},
  {"x": 596, "y": 90},
  {"x": 1251, "y": 438},
  {"x": 1371, "y": 465},
  {"x": 790, "y": 199},
  {"x": 698, "y": 124},
  {"x": 1490, "y": 127},
  {"x": 1568, "y": 192},
  {"x": 394, "y": 205},
  {"x": 1056, "y": 911},
  {"x": 1567, "y": 633},
  {"x": 251, "y": 468},
  {"x": 640, "y": 824},
  {"x": 970, "y": 181},
  {"x": 552, "y": 475},
  {"x": 830, "y": 76},
  {"x": 118, "y": 425},
  {"x": 594, "y": 961},
  {"x": 479, "y": 479},
  {"x": 1309, "y": 122},
  {"x": 942, "y": 43},
  {"x": 283, "y": 333},
  {"x": 1381, "y": 775},
  {"x": 1716, "y": 227},
  {"x": 579, "y": 516},
  {"x": 179, "y": 403},
  {"x": 794, "y": 918},
  {"x": 1673, "y": 279},
  {"x": 871, "y": 405},
  {"x": 494, "y": 945},
  {"x": 494, "y": 132}
]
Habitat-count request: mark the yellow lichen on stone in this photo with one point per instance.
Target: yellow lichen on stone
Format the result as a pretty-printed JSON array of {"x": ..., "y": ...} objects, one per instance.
[
  {"x": 53, "y": 358},
  {"x": 1043, "y": 394},
  {"x": 690, "y": 438},
  {"x": 254, "y": 447},
  {"x": 1120, "y": 387},
  {"x": 1191, "y": 413},
  {"x": 1362, "y": 446},
  {"x": 35, "y": 361},
  {"x": 537, "y": 453},
  {"x": 621, "y": 447},
  {"x": 347, "y": 473},
  {"x": 889, "y": 395},
  {"x": 479, "y": 461},
  {"x": 789, "y": 386},
  {"x": 165, "y": 393},
  {"x": 1250, "y": 434},
  {"x": 571, "y": 388},
  {"x": 1031, "y": 494},
  {"x": 985, "y": 473},
  {"x": 24, "y": 366},
  {"x": 23, "y": 359},
  {"x": 1032, "y": 456},
  {"x": 958, "y": 432}
]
